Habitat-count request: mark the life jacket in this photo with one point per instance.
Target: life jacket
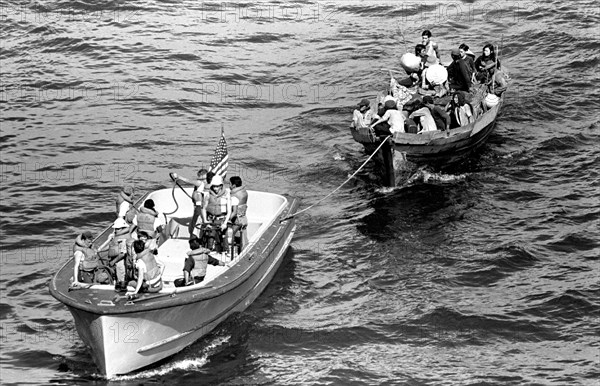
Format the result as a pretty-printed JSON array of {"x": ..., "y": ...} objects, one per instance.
[
  {"x": 201, "y": 258},
  {"x": 241, "y": 194},
  {"x": 116, "y": 244},
  {"x": 152, "y": 275},
  {"x": 121, "y": 198},
  {"x": 91, "y": 260},
  {"x": 145, "y": 221},
  {"x": 217, "y": 203}
]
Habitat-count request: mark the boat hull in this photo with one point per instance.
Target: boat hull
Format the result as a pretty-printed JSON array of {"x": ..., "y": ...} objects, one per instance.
[
  {"x": 439, "y": 150},
  {"x": 126, "y": 335}
]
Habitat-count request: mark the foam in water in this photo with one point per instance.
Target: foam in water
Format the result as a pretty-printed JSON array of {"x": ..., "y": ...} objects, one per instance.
[{"x": 183, "y": 364}]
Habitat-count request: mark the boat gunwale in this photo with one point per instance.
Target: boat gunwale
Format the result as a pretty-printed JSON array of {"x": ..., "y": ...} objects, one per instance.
[{"x": 189, "y": 294}]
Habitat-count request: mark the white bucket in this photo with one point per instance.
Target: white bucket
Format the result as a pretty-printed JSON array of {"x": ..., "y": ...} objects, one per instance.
[{"x": 491, "y": 100}]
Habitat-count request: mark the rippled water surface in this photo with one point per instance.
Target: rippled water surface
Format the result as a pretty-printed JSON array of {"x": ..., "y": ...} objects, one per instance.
[{"x": 490, "y": 277}]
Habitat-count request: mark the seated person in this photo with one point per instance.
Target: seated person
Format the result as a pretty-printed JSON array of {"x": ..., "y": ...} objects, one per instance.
[
  {"x": 423, "y": 115},
  {"x": 216, "y": 210},
  {"x": 441, "y": 118},
  {"x": 149, "y": 271},
  {"x": 392, "y": 117},
  {"x": 362, "y": 116},
  {"x": 434, "y": 79},
  {"x": 197, "y": 259},
  {"x": 461, "y": 112}
]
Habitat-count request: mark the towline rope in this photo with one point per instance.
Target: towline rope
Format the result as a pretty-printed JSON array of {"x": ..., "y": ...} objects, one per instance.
[{"x": 339, "y": 187}]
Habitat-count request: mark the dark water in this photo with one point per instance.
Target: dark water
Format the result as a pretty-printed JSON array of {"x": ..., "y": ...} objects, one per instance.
[{"x": 489, "y": 278}]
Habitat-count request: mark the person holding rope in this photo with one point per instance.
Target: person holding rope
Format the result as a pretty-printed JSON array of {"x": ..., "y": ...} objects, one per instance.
[{"x": 197, "y": 194}]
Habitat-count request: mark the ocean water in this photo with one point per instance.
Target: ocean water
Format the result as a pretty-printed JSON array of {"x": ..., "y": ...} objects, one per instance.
[{"x": 486, "y": 276}]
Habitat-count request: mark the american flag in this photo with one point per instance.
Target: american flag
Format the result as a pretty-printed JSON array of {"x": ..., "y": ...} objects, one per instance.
[{"x": 220, "y": 160}]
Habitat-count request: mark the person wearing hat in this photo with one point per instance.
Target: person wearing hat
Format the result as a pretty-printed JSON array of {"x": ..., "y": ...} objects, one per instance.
[
  {"x": 124, "y": 200},
  {"x": 362, "y": 115},
  {"x": 117, "y": 247},
  {"x": 392, "y": 117},
  {"x": 216, "y": 209},
  {"x": 459, "y": 73}
]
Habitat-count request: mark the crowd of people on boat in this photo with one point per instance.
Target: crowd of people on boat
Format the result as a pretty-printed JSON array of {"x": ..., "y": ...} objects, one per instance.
[
  {"x": 435, "y": 97},
  {"x": 128, "y": 257}
]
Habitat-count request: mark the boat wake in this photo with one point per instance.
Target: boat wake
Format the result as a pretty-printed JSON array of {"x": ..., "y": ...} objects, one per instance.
[{"x": 185, "y": 364}]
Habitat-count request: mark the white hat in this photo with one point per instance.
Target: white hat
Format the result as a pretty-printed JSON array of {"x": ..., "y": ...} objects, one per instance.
[
  {"x": 120, "y": 223},
  {"x": 436, "y": 74},
  {"x": 410, "y": 62},
  {"x": 216, "y": 180},
  {"x": 491, "y": 100}
]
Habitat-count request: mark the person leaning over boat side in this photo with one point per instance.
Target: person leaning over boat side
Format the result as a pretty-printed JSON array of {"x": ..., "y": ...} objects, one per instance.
[
  {"x": 459, "y": 73},
  {"x": 216, "y": 209},
  {"x": 424, "y": 117},
  {"x": 441, "y": 118},
  {"x": 487, "y": 72},
  {"x": 149, "y": 271},
  {"x": 461, "y": 112},
  {"x": 148, "y": 220},
  {"x": 393, "y": 117},
  {"x": 431, "y": 48},
  {"x": 197, "y": 195},
  {"x": 362, "y": 116},
  {"x": 239, "y": 206}
]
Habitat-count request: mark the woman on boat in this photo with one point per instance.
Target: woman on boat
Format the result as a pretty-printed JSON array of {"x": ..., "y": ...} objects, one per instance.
[
  {"x": 488, "y": 69},
  {"x": 424, "y": 117},
  {"x": 461, "y": 112},
  {"x": 149, "y": 271}
]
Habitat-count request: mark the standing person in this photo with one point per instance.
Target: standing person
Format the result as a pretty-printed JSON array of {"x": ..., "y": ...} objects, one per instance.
[
  {"x": 362, "y": 116},
  {"x": 149, "y": 220},
  {"x": 488, "y": 69},
  {"x": 85, "y": 257},
  {"x": 459, "y": 73},
  {"x": 393, "y": 117},
  {"x": 441, "y": 118},
  {"x": 149, "y": 271},
  {"x": 197, "y": 195},
  {"x": 431, "y": 48},
  {"x": 216, "y": 209},
  {"x": 467, "y": 56},
  {"x": 117, "y": 247},
  {"x": 239, "y": 206},
  {"x": 124, "y": 201}
]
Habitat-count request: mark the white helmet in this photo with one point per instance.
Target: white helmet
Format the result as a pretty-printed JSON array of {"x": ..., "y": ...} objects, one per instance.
[{"x": 216, "y": 180}]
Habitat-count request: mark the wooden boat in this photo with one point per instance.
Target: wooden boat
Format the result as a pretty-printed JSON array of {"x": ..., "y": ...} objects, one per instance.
[
  {"x": 125, "y": 335},
  {"x": 437, "y": 149}
]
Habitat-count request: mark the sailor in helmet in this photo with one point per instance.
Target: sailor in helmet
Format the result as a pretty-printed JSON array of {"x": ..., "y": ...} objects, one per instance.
[{"x": 217, "y": 209}]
